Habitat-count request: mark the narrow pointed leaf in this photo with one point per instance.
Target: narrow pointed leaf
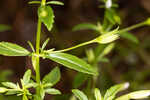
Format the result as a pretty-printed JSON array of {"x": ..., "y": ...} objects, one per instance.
[
  {"x": 34, "y": 2},
  {"x": 71, "y": 62},
  {"x": 9, "y": 85},
  {"x": 85, "y": 26},
  {"x": 108, "y": 49},
  {"x": 45, "y": 43},
  {"x": 55, "y": 3},
  {"x": 3, "y": 90},
  {"x": 52, "y": 91},
  {"x": 24, "y": 97},
  {"x": 111, "y": 93},
  {"x": 46, "y": 15},
  {"x": 42, "y": 93},
  {"x": 31, "y": 46},
  {"x": 9, "y": 49},
  {"x": 53, "y": 77},
  {"x": 12, "y": 92},
  {"x": 98, "y": 94},
  {"x": 79, "y": 94},
  {"x": 26, "y": 77},
  {"x": 34, "y": 62},
  {"x": 142, "y": 94}
]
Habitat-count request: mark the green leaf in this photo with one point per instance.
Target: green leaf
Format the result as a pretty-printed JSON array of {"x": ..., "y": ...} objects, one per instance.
[
  {"x": 4, "y": 28},
  {"x": 52, "y": 91},
  {"x": 108, "y": 48},
  {"x": 108, "y": 37},
  {"x": 12, "y": 92},
  {"x": 47, "y": 85},
  {"x": 3, "y": 90},
  {"x": 98, "y": 94},
  {"x": 31, "y": 46},
  {"x": 111, "y": 93},
  {"x": 90, "y": 55},
  {"x": 24, "y": 97},
  {"x": 30, "y": 85},
  {"x": 99, "y": 49},
  {"x": 112, "y": 16},
  {"x": 147, "y": 21},
  {"x": 53, "y": 77},
  {"x": 79, "y": 79},
  {"x": 26, "y": 77},
  {"x": 46, "y": 15},
  {"x": 55, "y": 3},
  {"x": 85, "y": 26},
  {"x": 34, "y": 62},
  {"x": 10, "y": 85},
  {"x": 42, "y": 93},
  {"x": 106, "y": 51},
  {"x": 45, "y": 43},
  {"x": 130, "y": 37},
  {"x": 34, "y": 2},
  {"x": 9, "y": 49},
  {"x": 71, "y": 62},
  {"x": 79, "y": 94},
  {"x": 142, "y": 94},
  {"x": 103, "y": 59}
]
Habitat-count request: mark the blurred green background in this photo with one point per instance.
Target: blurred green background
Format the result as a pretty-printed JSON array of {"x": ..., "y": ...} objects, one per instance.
[{"x": 129, "y": 61}]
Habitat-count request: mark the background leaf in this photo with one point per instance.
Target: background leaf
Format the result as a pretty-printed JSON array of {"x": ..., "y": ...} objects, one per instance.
[
  {"x": 79, "y": 79},
  {"x": 85, "y": 26},
  {"x": 53, "y": 77},
  {"x": 4, "y": 28},
  {"x": 130, "y": 37}
]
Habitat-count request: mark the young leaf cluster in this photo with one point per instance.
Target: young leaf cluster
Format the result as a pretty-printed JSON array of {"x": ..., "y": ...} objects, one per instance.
[{"x": 111, "y": 93}]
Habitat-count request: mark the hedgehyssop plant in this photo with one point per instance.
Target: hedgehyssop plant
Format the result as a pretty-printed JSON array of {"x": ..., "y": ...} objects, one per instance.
[{"x": 45, "y": 85}]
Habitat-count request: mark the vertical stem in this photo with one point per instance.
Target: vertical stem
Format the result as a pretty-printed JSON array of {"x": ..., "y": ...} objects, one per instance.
[
  {"x": 38, "y": 58},
  {"x": 38, "y": 37},
  {"x": 38, "y": 50}
]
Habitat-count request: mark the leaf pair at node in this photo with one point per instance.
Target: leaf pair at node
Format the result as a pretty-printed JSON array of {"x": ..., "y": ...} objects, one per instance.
[
  {"x": 111, "y": 93},
  {"x": 49, "y": 81},
  {"x": 45, "y": 12},
  {"x": 14, "y": 89}
]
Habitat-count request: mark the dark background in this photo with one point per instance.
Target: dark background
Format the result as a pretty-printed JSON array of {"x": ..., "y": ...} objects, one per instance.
[{"x": 132, "y": 63}]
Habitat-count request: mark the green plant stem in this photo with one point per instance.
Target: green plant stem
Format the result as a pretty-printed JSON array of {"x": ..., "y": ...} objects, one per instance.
[
  {"x": 38, "y": 37},
  {"x": 38, "y": 58},
  {"x": 74, "y": 47},
  {"x": 131, "y": 27}
]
